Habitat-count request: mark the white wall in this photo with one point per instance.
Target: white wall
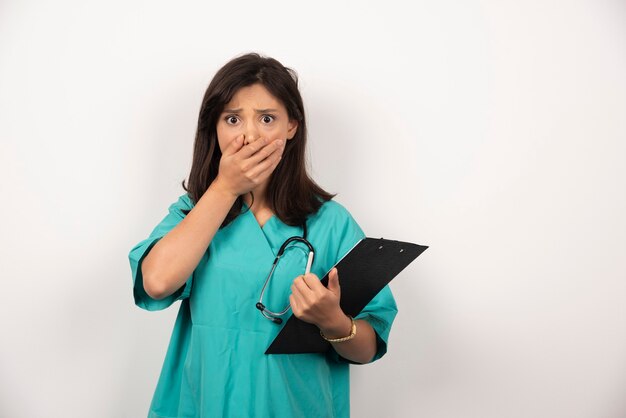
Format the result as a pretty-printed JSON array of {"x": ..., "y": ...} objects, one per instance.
[{"x": 492, "y": 131}]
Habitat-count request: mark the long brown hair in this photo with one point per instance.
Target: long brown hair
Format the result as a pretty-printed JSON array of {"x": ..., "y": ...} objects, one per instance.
[{"x": 291, "y": 193}]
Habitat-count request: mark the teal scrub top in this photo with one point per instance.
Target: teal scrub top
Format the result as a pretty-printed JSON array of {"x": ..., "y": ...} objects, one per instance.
[{"x": 215, "y": 364}]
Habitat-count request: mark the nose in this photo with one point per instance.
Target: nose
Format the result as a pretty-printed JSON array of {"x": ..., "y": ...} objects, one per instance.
[{"x": 250, "y": 134}]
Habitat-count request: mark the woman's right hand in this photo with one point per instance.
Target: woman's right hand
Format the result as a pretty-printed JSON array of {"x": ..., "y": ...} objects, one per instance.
[{"x": 242, "y": 168}]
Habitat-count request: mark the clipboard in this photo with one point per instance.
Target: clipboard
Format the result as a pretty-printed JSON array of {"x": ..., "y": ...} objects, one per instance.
[{"x": 363, "y": 272}]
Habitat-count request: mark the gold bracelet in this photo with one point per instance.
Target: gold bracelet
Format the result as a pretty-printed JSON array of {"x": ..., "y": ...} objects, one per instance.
[{"x": 339, "y": 340}]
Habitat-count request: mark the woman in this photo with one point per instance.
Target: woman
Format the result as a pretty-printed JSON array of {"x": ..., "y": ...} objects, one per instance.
[{"x": 247, "y": 193}]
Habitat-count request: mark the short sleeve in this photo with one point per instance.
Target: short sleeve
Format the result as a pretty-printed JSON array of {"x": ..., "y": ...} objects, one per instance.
[
  {"x": 141, "y": 250},
  {"x": 381, "y": 310},
  {"x": 380, "y": 313}
]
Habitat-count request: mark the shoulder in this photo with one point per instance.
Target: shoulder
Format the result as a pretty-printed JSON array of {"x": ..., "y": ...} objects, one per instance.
[
  {"x": 184, "y": 203},
  {"x": 335, "y": 216},
  {"x": 334, "y": 226},
  {"x": 332, "y": 210}
]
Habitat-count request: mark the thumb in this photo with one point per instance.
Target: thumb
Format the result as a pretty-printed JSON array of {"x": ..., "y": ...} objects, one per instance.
[
  {"x": 234, "y": 146},
  {"x": 333, "y": 281}
]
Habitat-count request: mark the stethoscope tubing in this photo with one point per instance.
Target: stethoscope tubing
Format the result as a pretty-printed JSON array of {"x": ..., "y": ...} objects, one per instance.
[{"x": 274, "y": 316}]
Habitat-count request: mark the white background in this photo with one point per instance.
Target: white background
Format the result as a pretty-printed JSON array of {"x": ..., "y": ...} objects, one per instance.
[{"x": 492, "y": 131}]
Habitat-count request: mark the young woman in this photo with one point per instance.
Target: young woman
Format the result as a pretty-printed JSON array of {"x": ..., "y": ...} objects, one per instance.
[{"x": 249, "y": 192}]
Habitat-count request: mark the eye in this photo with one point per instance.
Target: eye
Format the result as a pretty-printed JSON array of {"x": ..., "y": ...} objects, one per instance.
[
  {"x": 231, "y": 119},
  {"x": 267, "y": 119}
]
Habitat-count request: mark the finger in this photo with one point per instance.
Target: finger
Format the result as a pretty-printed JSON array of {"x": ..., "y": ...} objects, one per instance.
[
  {"x": 234, "y": 146},
  {"x": 313, "y": 282},
  {"x": 251, "y": 149},
  {"x": 295, "y": 306},
  {"x": 301, "y": 290},
  {"x": 333, "y": 280},
  {"x": 267, "y": 151},
  {"x": 252, "y": 141},
  {"x": 297, "y": 303},
  {"x": 265, "y": 167}
]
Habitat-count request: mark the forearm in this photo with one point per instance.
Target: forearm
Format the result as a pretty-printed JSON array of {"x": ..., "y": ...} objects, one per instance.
[
  {"x": 175, "y": 256},
  {"x": 361, "y": 348}
]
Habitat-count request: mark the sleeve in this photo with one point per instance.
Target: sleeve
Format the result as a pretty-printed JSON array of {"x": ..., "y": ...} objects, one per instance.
[
  {"x": 380, "y": 311},
  {"x": 140, "y": 251}
]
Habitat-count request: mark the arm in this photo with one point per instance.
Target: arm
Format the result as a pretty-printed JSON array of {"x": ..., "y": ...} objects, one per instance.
[{"x": 172, "y": 260}]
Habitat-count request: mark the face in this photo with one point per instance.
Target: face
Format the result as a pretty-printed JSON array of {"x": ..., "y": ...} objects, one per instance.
[{"x": 255, "y": 113}]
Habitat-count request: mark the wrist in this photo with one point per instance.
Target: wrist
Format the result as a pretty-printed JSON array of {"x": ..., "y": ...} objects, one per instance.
[
  {"x": 340, "y": 326},
  {"x": 220, "y": 188}
]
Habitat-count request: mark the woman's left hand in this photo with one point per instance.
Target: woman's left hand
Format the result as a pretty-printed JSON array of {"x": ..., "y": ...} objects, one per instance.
[{"x": 314, "y": 303}]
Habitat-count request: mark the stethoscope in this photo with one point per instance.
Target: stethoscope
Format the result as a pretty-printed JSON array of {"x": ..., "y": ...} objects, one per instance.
[{"x": 274, "y": 316}]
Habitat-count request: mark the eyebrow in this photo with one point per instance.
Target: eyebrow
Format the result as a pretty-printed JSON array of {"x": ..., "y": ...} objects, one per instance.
[{"x": 256, "y": 110}]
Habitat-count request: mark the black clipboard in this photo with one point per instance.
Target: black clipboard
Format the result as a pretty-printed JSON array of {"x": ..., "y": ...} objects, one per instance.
[{"x": 363, "y": 272}]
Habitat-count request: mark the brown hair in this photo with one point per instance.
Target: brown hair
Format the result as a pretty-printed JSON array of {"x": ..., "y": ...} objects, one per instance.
[{"x": 291, "y": 193}]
